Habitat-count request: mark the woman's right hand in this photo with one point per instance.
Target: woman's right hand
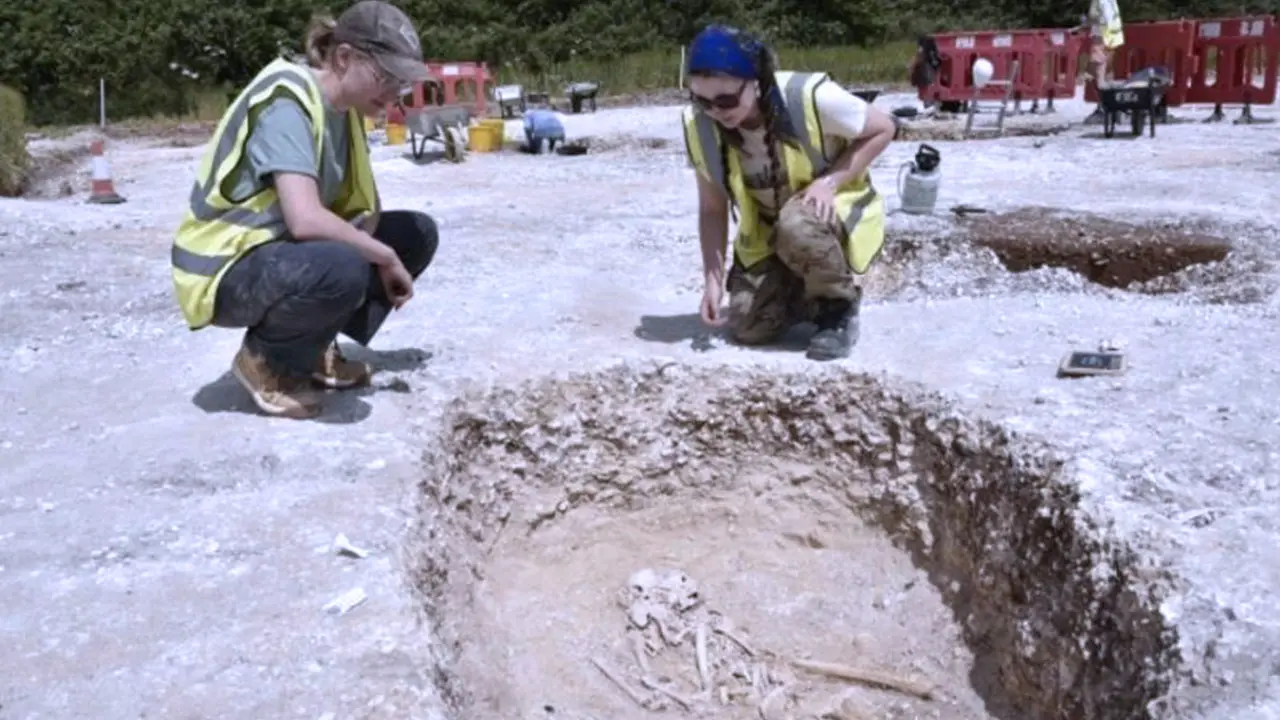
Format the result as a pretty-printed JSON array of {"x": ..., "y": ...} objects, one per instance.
[
  {"x": 397, "y": 282},
  {"x": 712, "y": 296}
]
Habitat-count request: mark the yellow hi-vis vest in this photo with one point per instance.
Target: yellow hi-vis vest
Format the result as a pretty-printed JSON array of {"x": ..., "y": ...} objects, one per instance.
[
  {"x": 1104, "y": 15},
  {"x": 859, "y": 207},
  {"x": 217, "y": 230}
]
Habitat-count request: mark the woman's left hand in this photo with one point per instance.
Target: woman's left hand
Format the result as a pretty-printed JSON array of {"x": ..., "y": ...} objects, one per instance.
[{"x": 821, "y": 197}]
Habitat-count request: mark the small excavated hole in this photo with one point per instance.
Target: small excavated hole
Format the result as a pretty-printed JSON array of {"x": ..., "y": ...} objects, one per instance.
[
  {"x": 827, "y": 515},
  {"x": 1107, "y": 252},
  {"x": 984, "y": 128},
  {"x": 609, "y": 143}
]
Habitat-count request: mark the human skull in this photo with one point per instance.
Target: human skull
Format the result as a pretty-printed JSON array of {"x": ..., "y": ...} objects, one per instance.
[{"x": 661, "y": 593}]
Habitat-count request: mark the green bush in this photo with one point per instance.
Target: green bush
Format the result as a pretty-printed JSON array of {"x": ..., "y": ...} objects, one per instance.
[{"x": 14, "y": 159}]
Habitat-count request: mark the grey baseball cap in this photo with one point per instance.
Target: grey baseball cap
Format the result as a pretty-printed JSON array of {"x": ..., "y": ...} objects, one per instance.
[{"x": 385, "y": 32}]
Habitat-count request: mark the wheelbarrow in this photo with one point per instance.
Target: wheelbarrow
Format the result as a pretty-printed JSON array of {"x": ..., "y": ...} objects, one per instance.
[{"x": 445, "y": 124}]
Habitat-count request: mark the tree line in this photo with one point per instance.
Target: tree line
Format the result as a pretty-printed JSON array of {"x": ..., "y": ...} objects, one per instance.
[{"x": 156, "y": 57}]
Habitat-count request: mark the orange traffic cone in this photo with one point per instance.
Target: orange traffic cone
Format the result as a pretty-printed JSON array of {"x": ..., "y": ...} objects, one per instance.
[{"x": 103, "y": 191}]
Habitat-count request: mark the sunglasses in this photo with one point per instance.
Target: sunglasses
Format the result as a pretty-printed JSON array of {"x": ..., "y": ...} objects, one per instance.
[
  {"x": 385, "y": 79},
  {"x": 726, "y": 101}
]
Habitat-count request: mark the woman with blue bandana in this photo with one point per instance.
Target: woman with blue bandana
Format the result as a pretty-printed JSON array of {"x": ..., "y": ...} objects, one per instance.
[{"x": 789, "y": 151}]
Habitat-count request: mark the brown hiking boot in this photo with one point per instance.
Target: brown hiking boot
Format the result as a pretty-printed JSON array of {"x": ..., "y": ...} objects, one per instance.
[
  {"x": 274, "y": 395},
  {"x": 339, "y": 373}
]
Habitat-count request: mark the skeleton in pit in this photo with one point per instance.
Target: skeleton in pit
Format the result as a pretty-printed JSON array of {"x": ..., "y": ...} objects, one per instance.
[
  {"x": 666, "y": 615},
  {"x": 665, "y": 612}
]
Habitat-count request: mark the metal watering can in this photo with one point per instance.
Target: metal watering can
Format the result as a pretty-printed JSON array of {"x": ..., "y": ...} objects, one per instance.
[{"x": 918, "y": 181}]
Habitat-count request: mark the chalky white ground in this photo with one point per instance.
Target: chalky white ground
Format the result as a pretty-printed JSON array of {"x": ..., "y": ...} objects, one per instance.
[{"x": 165, "y": 551}]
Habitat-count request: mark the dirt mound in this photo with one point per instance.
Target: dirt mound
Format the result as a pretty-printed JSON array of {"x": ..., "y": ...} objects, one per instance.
[
  {"x": 59, "y": 165},
  {"x": 869, "y": 526},
  {"x": 667, "y": 96},
  {"x": 952, "y": 128},
  {"x": 608, "y": 143},
  {"x": 1105, "y": 251},
  {"x": 164, "y": 132}
]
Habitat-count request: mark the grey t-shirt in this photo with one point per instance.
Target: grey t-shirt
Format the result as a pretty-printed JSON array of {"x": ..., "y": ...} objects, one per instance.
[{"x": 281, "y": 141}]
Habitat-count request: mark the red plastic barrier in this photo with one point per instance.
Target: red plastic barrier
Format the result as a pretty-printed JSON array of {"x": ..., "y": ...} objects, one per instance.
[
  {"x": 450, "y": 83},
  {"x": 457, "y": 76},
  {"x": 1238, "y": 48},
  {"x": 1046, "y": 65},
  {"x": 1061, "y": 63},
  {"x": 1166, "y": 44}
]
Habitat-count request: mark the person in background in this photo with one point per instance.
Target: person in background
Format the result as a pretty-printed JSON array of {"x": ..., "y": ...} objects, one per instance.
[
  {"x": 1106, "y": 33},
  {"x": 790, "y": 153},
  {"x": 284, "y": 234},
  {"x": 926, "y": 62},
  {"x": 542, "y": 124}
]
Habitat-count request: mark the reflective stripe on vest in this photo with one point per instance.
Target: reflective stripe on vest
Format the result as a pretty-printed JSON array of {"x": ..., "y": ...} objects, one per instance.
[
  {"x": 793, "y": 93},
  {"x": 1106, "y": 23},
  {"x": 203, "y": 200},
  {"x": 216, "y": 230},
  {"x": 705, "y": 147}
]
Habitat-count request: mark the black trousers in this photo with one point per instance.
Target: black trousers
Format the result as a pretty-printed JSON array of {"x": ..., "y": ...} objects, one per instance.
[{"x": 295, "y": 297}]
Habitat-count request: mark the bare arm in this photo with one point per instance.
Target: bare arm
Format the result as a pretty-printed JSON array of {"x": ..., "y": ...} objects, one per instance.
[
  {"x": 308, "y": 219},
  {"x": 713, "y": 229},
  {"x": 865, "y": 148},
  {"x": 281, "y": 152}
]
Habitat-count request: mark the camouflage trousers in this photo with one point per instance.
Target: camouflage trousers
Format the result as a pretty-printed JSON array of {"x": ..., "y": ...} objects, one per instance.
[{"x": 808, "y": 265}]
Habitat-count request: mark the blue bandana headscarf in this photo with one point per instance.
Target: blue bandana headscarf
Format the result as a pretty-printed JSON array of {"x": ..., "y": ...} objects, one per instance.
[
  {"x": 722, "y": 49},
  {"x": 728, "y": 50}
]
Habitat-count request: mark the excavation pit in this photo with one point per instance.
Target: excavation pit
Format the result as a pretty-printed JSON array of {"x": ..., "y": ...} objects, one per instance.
[
  {"x": 872, "y": 527},
  {"x": 1107, "y": 252},
  {"x": 952, "y": 128}
]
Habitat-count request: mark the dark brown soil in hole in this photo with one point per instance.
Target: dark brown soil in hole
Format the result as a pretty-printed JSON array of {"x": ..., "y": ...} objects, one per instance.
[
  {"x": 983, "y": 128},
  {"x": 874, "y": 526},
  {"x": 608, "y": 143},
  {"x": 1108, "y": 252}
]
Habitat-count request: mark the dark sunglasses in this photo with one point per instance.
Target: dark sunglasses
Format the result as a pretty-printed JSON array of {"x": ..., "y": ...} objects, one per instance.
[{"x": 727, "y": 101}]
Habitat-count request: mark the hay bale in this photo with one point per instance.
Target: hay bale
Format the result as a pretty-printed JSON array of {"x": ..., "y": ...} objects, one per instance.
[{"x": 14, "y": 159}]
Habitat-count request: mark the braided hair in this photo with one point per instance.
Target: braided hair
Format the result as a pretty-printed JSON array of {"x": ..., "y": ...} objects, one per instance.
[{"x": 777, "y": 125}]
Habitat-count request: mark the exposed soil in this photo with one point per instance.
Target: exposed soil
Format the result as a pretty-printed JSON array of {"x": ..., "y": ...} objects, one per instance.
[
  {"x": 607, "y": 143},
  {"x": 811, "y": 518},
  {"x": 59, "y": 167},
  {"x": 1108, "y": 252},
  {"x": 984, "y": 128},
  {"x": 790, "y": 567}
]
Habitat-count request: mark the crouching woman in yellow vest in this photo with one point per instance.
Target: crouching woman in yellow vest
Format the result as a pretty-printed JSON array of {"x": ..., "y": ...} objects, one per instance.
[
  {"x": 790, "y": 152},
  {"x": 284, "y": 234}
]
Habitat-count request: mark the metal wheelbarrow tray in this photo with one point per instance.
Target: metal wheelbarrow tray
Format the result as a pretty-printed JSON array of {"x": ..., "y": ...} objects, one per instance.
[{"x": 431, "y": 122}]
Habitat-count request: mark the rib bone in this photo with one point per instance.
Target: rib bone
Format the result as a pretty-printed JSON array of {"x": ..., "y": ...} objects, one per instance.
[{"x": 704, "y": 668}]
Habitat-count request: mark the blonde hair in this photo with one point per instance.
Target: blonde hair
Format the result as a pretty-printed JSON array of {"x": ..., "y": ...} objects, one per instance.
[{"x": 320, "y": 40}]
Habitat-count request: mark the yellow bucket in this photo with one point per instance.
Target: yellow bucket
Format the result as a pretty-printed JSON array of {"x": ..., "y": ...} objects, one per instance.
[
  {"x": 497, "y": 124},
  {"x": 368, "y": 124},
  {"x": 395, "y": 134},
  {"x": 484, "y": 138}
]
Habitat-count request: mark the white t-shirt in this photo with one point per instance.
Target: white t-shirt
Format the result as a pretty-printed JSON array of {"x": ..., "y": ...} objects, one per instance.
[{"x": 843, "y": 115}]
